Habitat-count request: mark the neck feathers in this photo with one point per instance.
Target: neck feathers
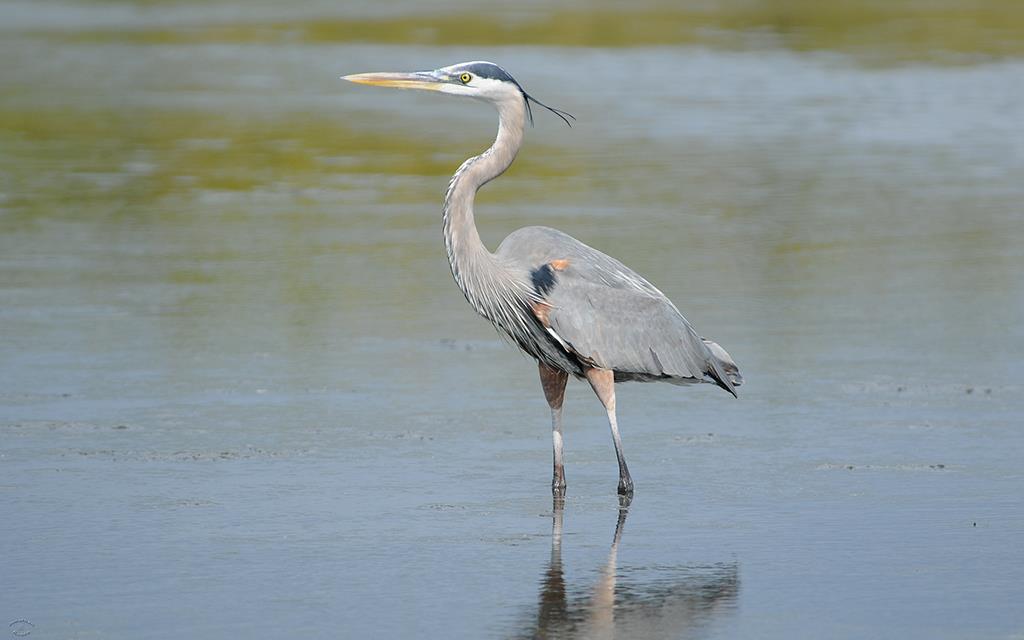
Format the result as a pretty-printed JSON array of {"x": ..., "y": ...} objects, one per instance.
[{"x": 484, "y": 282}]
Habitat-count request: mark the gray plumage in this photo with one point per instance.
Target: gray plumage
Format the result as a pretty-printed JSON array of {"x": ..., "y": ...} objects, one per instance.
[
  {"x": 576, "y": 310},
  {"x": 606, "y": 315}
]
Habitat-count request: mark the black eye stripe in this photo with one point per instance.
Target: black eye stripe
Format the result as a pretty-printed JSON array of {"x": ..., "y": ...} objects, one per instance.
[{"x": 487, "y": 70}]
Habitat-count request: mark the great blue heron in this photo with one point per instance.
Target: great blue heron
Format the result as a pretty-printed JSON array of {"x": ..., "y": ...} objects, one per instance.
[{"x": 576, "y": 310}]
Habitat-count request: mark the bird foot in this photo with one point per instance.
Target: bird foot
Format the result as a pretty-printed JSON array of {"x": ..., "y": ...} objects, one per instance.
[
  {"x": 558, "y": 488},
  {"x": 625, "y": 487},
  {"x": 558, "y": 481}
]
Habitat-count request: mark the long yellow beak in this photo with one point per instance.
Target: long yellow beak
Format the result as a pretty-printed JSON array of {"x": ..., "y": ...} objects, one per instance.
[{"x": 416, "y": 80}]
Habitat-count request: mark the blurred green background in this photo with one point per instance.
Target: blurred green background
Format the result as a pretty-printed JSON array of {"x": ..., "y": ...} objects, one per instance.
[{"x": 197, "y": 164}]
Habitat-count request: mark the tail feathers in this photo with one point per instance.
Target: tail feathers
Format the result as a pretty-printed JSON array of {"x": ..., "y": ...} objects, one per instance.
[{"x": 725, "y": 362}]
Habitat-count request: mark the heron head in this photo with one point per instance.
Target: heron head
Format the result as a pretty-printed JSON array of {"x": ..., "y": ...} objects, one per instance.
[{"x": 481, "y": 80}]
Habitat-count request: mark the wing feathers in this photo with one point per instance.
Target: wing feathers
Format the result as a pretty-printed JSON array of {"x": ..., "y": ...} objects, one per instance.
[
  {"x": 609, "y": 316},
  {"x": 626, "y": 330}
]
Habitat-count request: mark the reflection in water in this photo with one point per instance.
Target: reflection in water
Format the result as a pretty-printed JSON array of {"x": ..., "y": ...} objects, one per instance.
[{"x": 679, "y": 602}]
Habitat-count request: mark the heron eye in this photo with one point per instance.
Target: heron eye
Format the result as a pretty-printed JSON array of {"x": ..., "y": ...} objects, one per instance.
[{"x": 465, "y": 78}]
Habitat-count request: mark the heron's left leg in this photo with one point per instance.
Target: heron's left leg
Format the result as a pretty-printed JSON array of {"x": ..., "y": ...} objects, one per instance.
[
  {"x": 553, "y": 381},
  {"x": 603, "y": 383}
]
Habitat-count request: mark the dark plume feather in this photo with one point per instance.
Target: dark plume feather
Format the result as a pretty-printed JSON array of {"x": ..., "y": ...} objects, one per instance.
[{"x": 564, "y": 115}]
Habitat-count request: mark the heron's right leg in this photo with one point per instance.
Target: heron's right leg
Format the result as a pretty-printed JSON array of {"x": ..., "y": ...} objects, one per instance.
[
  {"x": 603, "y": 383},
  {"x": 553, "y": 381}
]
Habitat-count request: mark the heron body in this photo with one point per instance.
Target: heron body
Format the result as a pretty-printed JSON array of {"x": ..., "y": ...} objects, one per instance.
[{"x": 574, "y": 309}]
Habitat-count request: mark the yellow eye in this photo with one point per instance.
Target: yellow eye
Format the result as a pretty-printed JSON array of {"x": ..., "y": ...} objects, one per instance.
[{"x": 465, "y": 78}]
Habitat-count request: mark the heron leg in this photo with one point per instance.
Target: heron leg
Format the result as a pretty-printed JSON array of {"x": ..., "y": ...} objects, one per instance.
[
  {"x": 553, "y": 381},
  {"x": 603, "y": 383}
]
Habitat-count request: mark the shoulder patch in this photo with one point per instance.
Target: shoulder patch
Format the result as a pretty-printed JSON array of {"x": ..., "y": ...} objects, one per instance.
[{"x": 543, "y": 279}]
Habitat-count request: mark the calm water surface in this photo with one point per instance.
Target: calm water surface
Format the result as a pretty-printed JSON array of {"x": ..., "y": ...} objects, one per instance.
[{"x": 240, "y": 395}]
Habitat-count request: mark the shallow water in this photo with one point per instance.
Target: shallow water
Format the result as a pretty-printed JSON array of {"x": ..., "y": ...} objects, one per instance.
[{"x": 240, "y": 395}]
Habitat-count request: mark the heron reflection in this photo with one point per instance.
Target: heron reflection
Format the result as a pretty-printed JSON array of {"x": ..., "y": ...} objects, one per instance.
[{"x": 680, "y": 602}]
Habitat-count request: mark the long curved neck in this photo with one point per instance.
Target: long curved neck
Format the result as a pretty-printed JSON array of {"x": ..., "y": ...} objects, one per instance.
[{"x": 475, "y": 269}]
